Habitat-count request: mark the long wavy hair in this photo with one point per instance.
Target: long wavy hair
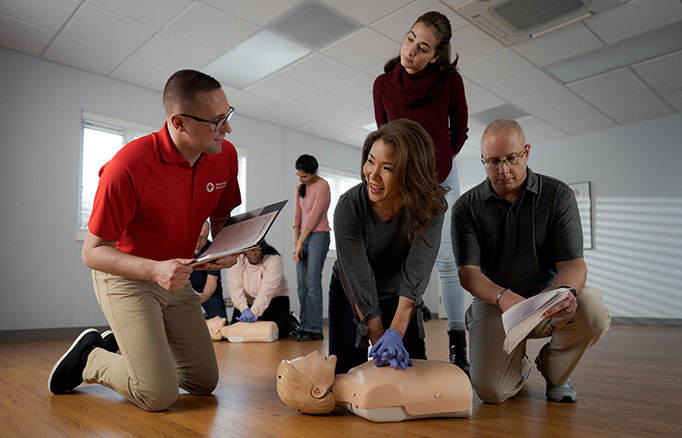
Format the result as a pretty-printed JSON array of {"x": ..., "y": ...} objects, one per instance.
[
  {"x": 443, "y": 33},
  {"x": 414, "y": 167}
]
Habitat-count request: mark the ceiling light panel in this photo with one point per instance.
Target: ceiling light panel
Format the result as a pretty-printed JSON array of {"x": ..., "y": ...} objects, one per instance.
[{"x": 239, "y": 67}]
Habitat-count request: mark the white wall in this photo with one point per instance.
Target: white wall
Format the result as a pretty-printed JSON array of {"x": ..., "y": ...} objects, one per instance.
[{"x": 636, "y": 185}]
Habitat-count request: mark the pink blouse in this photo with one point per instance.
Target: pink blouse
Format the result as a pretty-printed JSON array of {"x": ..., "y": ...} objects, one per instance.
[{"x": 311, "y": 211}]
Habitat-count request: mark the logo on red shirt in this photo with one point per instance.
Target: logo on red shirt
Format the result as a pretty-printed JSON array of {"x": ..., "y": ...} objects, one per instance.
[{"x": 209, "y": 187}]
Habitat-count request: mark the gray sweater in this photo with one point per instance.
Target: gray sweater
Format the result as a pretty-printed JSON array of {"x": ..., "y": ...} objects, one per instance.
[{"x": 375, "y": 259}]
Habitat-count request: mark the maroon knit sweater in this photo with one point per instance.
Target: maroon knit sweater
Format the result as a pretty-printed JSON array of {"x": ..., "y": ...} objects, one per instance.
[{"x": 435, "y": 100}]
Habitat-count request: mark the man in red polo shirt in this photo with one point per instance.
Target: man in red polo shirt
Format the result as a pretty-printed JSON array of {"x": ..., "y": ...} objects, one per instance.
[{"x": 152, "y": 200}]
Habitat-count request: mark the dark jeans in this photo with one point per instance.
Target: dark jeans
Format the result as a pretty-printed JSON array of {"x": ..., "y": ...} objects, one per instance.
[
  {"x": 277, "y": 311},
  {"x": 215, "y": 306},
  {"x": 342, "y": 329}
]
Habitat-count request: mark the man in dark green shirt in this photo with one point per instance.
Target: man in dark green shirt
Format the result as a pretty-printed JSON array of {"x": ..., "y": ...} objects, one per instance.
[{"x": 515, "y": 235}]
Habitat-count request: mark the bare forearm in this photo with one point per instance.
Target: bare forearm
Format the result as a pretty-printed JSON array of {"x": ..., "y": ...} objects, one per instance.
[
  {"x": 403, "y": 315},
  {"x": 571, "y": 273},
  {"x": 113, "y": 261},
  {"x": 480, "y": 286},
  {"x": 210, "y": 286}
]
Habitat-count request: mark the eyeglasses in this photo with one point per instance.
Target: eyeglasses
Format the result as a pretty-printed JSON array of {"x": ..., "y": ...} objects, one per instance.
[
  {"x": 511, "y": 160},
  {"x": 219, "y": 124}
]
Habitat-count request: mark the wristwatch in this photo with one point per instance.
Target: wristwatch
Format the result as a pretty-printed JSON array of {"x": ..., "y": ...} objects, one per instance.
[{"x": 573, "y": 291}]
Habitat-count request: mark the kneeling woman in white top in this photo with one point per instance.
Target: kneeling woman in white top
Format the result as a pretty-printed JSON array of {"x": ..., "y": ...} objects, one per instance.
[{"x": 259, "y": 289}]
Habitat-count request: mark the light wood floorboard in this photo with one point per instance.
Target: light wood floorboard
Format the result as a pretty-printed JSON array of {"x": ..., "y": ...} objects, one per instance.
[{"x": 629, "y": 385}]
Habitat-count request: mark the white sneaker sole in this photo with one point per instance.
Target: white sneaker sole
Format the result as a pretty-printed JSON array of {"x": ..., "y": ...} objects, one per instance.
[{"x": 49, "y": 379}]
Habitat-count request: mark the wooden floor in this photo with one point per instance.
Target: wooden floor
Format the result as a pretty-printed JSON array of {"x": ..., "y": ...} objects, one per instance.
[{"x": 629, "y": 385}]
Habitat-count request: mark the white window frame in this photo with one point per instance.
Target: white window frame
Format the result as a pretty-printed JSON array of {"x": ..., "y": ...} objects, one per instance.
[{"x": 331, "y": 175}]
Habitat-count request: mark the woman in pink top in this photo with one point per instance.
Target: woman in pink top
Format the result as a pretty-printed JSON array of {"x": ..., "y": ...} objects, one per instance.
[
  {"x": 259, "y": 289},
  {"x": 311, "y": 243}
]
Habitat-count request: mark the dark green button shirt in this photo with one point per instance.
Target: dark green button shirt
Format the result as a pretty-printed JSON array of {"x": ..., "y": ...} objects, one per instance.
[{"x": 517, "y": 245}]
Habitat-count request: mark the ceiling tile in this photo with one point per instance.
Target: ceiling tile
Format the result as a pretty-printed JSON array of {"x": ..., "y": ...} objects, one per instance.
[
  {"x": 366, "y": 12},
  {"x": 399, "y": 23},
  {"x": 357, "y": 88},
  {"x": 154, "y": 13},
  {"x": 48, "y": 14},
  {"x": 606, "y": 84},
  {"x": 107, "y": 30},
  {"x": 259, "y": 12},
  {"x": 538, "y": 131},
  {"x": 354, "y": 137},
  {"x": 280, "y": 89},
  {"x": 336, "y": 108},
  {"x": 481, "y": 100},
  {"x": 319, "y": 71},
  {"x": 289, "y": 116},
  {"x": 175, "y": 53},
  {"x": 549, "y": 101},
  {"x": 663, "y": 74},
  {"x": 252, "y": 105},
  {"x": 210, "y": 27},
  {"x": 559, "y": 45},
  {"x": 624, "y": 100},
  {"x": 642, "y": 112},
  {"x": 676, "y": 102},
  {"x": 470, "y": 85},
  {"x": 495, "y": 68},
  {"x": 363, "y": 49},
  {"x": 143, "y": 73},
  {"x": 22, "y": 36},
  {"x": 634, "y": 18},
  {"x": 80, "y": 54},
  {"x": 525, "y": 85},
  {"x": 471, "y": 44},
  {"x": 376, "y": 70},
  {"x": 324, "y": 128},
  {"x": 578, "y": 119}
]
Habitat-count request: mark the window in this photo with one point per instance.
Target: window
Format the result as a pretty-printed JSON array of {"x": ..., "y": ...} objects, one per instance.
[
  {"x": 103, "y": 136},
  {"x": 339, "y": 183}
]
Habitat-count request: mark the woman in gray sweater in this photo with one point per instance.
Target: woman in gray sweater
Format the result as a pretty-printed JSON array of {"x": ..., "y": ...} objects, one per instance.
[{"x": 387, "y": 236}]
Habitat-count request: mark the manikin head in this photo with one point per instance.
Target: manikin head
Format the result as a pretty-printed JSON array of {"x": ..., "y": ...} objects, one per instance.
[{"x": 305, "y": 383}]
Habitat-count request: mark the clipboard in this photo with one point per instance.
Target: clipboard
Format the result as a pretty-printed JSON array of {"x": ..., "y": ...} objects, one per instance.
[{"x": 242, "y": 232}]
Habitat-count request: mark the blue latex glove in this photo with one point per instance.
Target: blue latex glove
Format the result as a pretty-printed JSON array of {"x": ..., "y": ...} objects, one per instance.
[
  {"x": 389, "y": 350},
  {"x": 247, "y": 316}
]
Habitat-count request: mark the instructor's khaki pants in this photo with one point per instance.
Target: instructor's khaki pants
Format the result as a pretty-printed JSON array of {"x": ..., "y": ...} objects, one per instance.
[
  {"x": 497, "y": 376},
  {"x": 163, "y": 338}
]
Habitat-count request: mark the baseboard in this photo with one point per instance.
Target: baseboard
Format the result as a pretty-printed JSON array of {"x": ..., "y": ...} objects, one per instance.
[
  {"x": 44, "y": 334},
  {"x": 631, "y": 320}
]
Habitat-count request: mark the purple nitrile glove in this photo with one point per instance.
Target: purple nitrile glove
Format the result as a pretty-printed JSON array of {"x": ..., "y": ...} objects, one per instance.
[
  {"x": 247, "y": 316},
  {"x": 390, "y": 350}
]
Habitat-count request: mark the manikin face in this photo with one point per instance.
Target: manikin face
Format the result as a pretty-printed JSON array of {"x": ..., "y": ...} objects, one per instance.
[
  {"x": 317, "y": 368},
  {"x": 382, "y": 185},
  {"x": 418, "y": 49},
  {"x": 507, "y": 180},
  {"x": 202, "y": 136}
]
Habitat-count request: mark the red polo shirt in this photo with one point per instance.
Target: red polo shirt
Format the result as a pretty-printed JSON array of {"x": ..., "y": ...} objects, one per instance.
[{"x": 152, "y": 203}]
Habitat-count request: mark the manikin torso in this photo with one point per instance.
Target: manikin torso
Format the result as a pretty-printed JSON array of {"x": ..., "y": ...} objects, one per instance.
[
  {"x": 259, "y": 331},
  {"x": 382, "y": 394}
]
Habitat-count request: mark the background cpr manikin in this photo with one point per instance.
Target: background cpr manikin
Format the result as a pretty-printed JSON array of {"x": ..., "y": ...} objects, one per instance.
[{"x": 381, "y": 394}]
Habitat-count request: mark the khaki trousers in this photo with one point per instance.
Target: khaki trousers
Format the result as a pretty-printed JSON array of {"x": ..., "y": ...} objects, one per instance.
[
  {"x": 163, "y": 338},
  {"x": 497, "y": 376}
]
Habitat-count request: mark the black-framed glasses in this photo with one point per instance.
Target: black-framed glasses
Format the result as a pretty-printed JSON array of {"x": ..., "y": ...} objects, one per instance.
[
  {"x": 511, "y": 160},
  {"x": 219, "y": 124}
]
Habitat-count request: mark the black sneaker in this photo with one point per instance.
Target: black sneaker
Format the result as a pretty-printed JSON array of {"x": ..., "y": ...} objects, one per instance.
[
  {"x": 305, "y": 335},
  {"x": 109, "y": 341},
  {"x": 67, "y": 373}
]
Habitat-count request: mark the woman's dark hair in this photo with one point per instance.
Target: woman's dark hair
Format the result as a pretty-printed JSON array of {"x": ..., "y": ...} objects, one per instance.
[
  {"x": 414, "y": 167},
  {"x": 267, "y": 249},
  {"x": 443, "y": 33},
  {"x": 308, "y": 164}
]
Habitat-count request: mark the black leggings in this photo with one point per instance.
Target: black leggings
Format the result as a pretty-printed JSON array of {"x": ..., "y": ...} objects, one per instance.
[{"x": 342, "y": 329}]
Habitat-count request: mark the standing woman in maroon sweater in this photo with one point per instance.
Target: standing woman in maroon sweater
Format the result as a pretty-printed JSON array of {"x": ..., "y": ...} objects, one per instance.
[{"x": 421, "y": 84}]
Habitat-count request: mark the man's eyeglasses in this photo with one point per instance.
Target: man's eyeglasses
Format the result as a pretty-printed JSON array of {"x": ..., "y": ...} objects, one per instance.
[
  {"x": 511, "y": 160},
  {"x": 219, "y": 124}
]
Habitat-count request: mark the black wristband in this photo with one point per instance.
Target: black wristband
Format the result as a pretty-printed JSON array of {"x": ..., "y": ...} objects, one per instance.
[{"x": 573, "y": 291}]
